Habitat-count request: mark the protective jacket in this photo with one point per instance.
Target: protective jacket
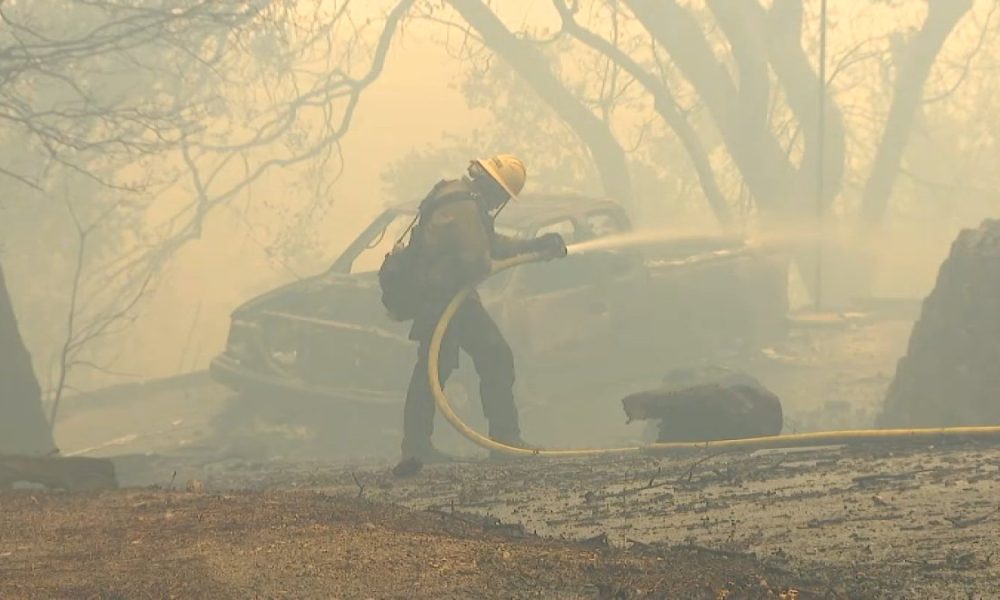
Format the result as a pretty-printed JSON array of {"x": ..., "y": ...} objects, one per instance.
[{"x": 457, "y": 241}]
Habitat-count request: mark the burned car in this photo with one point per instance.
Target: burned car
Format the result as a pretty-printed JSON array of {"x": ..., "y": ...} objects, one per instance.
[{"x": 591, "y": 317}]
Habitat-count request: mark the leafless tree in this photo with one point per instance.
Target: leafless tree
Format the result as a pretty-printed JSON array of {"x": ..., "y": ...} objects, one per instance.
[
  {"x": 85, "y": 322},
  {"x": 740, "y": 61},
  {"x": 190, "y": 116},
  {"x": 535, "y": 69},
  {"x": 916, "y": 61}
]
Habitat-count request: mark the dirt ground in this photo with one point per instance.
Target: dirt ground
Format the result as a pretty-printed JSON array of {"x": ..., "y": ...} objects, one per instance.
[
  {"x": 309, "y": 544},
  {"x": 273, "y": 512},
  {"x": 872, "y": 522},
  {"x": 859, "y": 523}
]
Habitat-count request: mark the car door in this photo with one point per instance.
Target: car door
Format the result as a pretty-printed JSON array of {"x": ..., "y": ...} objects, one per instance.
[
  {"x": 621, "y": 274},
  {"x": 558, "y": 311},
  {"x": 622, "y": 282}
]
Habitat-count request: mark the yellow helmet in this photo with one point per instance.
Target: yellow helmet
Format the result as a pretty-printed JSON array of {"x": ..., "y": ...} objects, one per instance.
[{"x": 507, "y": 170}]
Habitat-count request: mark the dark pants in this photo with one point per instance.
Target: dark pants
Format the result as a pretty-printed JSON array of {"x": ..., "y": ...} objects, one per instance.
[{"x": 475, "y": 332}]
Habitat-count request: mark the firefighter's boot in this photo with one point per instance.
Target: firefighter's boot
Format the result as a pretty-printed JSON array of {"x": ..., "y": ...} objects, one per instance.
[{"x": 424, "y": 451}]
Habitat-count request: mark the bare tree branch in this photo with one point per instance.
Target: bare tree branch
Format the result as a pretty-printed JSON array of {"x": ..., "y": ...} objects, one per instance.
[
  {"x": 530, "y": 64},
  {"x": 665, "y": 105},
  {"x": 942, "y": 17},
  {"x": 71, "y": 314},
  {"x": 754, "y": 149},
  {"x": 782, "y": 30}
]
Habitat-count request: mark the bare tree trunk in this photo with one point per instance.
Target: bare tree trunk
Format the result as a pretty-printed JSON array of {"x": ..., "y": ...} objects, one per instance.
[
  {"x": 942, "y": 17},
  {"x": 606, "y": 152},
  {"x": 782, "y": 191},
  {"x": 757, "y": 39},
  {"x": 781, "y": 29},
  {"x": 754, "y": 148},
  {"x": 665, "y": 105},
  {"x": 23, "y": 428},
  {"x": 747, "y": 48}
]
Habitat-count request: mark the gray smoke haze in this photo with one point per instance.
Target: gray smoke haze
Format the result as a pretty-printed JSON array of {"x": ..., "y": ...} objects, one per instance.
[{"x": 219, "y": 152}]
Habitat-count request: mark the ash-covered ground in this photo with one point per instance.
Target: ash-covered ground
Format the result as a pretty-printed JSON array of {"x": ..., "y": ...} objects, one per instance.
[
  {"x": 868, "y": 522},
  {"x": 287, "y": 509}
]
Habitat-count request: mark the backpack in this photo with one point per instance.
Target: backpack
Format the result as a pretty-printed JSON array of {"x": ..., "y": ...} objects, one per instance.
[
  {"x": 400, "y": 275},
  {"x": 399, "y": 278}
]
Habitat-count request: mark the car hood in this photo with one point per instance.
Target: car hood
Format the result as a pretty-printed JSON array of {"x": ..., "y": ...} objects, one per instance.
[{"x": 351, "y": 298}]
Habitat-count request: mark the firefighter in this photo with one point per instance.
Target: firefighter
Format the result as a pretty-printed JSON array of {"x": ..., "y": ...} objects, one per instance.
[{"x": 457, "y": 244}]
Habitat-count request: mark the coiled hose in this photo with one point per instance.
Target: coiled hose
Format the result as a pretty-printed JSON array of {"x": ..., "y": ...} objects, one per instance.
[{"x": 797, "y": 440}]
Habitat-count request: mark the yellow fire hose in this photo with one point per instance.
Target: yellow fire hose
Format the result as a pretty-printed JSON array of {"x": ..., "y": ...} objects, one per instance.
[{"x": 797, "y": 440}]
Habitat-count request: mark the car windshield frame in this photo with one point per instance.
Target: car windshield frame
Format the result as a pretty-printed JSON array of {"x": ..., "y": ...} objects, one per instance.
[
  {"x": 375, "y": 230},
  {"x": 380, "y": 224}
]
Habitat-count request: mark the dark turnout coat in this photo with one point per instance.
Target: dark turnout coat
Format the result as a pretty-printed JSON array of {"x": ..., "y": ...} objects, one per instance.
[{"x": 457, "y": 245}]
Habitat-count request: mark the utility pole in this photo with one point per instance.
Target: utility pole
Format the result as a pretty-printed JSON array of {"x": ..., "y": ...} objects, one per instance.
[{"x": 821, "y": 157}]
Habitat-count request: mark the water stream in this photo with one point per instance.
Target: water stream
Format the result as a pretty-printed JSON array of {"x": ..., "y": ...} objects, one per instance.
[
  {"x": 653, "y": 237},
  {"x": 642, "y": 237}
]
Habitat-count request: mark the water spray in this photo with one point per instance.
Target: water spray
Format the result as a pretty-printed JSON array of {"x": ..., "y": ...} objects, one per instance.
[
  {"x": 773, "y": 239},
  {"x": 643, "y": 237}
]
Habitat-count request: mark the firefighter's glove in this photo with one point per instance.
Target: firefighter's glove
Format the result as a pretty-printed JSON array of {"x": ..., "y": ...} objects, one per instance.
[{"x": 550, "y": 246}]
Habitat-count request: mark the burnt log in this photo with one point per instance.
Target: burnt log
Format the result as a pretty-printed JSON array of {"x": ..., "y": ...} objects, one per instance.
[{"x": 708, "y": 405}]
